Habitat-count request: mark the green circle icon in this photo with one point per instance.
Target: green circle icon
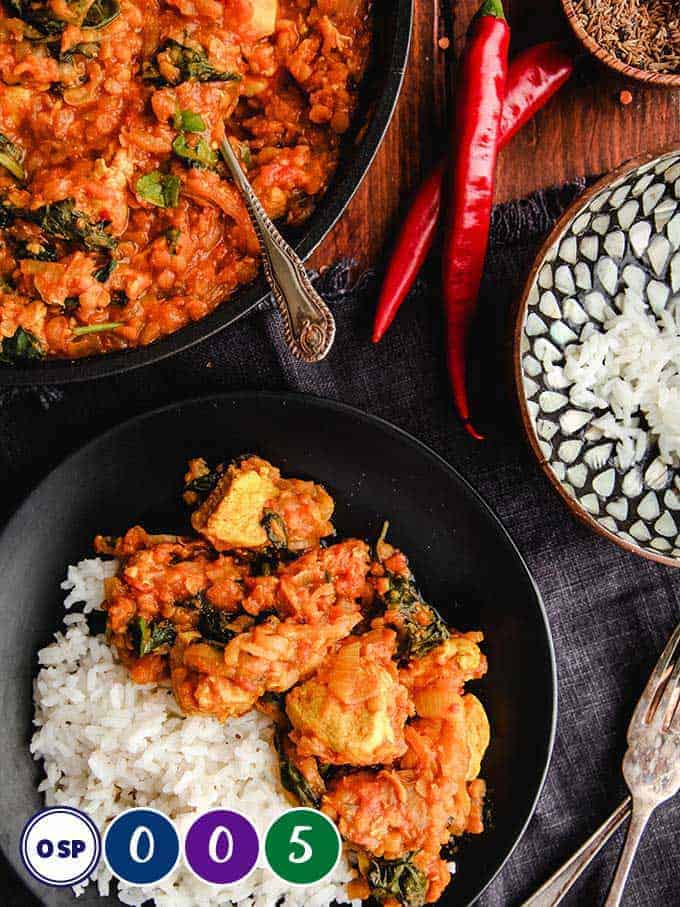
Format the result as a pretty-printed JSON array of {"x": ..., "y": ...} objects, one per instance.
[{"x": 302, "y": 846}]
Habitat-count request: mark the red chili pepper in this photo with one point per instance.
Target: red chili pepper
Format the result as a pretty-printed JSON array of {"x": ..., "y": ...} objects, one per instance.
[
  {"x": 534, "y": 76},
  {"x": 412, "y": 248},
  {"x": 479, "y": 108}
]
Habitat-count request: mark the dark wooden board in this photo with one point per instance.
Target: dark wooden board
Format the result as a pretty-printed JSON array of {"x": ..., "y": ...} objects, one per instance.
[{"x": 584, "y": 130}]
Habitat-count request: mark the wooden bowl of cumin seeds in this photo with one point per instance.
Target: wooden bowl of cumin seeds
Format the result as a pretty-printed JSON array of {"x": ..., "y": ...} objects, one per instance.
[{"x": 638, "y": 38}]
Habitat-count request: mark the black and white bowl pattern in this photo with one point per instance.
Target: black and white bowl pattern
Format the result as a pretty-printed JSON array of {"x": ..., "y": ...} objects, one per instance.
[{"x": 625, "y": 233}]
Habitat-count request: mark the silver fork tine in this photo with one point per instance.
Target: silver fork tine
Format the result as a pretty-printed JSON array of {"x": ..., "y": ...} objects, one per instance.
[
  {"x": 642, "y": 708},
  {"x": 668, "y": 702}
]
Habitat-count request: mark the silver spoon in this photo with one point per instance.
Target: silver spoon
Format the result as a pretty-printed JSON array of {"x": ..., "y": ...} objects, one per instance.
[{"x": 308, "y": 324}]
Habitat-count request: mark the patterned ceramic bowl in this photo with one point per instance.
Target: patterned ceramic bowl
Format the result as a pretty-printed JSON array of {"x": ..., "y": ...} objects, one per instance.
[{"x": 622, "y": 236}]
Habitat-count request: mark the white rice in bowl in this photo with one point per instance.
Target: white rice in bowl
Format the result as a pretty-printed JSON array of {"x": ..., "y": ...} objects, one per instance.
[
  {"x": 109, "y": 744},
  {"x": 631, "y": 368}
]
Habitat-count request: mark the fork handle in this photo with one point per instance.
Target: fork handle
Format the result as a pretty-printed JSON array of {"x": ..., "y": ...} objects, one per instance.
[
  {"x": 558, "y": 885},
  {"x": 638, "y": 823}
]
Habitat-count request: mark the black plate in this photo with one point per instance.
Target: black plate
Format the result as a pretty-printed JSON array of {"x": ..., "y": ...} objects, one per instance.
[
  {"x": 392, "y": 35},
  {"x": 465, "y": 562}
]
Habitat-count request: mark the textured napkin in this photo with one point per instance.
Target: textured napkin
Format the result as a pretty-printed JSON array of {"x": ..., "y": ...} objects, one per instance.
[{"x": 611, "y": 612}]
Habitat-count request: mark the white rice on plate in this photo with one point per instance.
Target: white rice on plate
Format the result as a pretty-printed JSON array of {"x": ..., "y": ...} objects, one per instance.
[
  {"x": 109, "y": 744},
  {"x": 632, "y": 369}
]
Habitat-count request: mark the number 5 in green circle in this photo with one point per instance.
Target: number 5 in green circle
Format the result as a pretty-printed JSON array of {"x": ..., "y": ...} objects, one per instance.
[
  {"x": 302, "y": 846},
  {"x": 295, "y": 838}
]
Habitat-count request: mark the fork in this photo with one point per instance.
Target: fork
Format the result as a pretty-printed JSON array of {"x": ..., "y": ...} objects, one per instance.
[{"x": 651, "y": 768}]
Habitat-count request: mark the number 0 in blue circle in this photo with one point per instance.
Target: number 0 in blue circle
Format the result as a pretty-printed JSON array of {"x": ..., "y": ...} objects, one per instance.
[{"x": 141, "y": 846}]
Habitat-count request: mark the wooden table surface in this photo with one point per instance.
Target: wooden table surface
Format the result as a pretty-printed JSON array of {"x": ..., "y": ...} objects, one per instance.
[{"x": 585, "y": 130}]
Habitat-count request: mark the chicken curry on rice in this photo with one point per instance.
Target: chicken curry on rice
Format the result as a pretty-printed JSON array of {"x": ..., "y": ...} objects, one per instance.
[
  {"x": 331, "y": 639},
  {"x": 118, "y": 221}
]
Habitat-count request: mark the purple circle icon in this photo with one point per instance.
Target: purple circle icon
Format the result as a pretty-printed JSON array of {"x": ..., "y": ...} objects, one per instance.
[{"x": 221, "y": 847}]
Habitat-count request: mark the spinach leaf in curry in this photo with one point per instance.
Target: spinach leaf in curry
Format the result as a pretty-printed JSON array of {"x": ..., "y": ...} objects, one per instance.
[
  {"x": 62, "y": 220},
  {"x": 174, "y": 63},
  {"x": 102, "y": 274},
  {"x": 101, "y": 13},
  {"x": 196, "y": 152},
  {"x": 188, "y": 121},
  {"x": 399, "y": 879},
  {"x": 275, "y": 527},
  {"x": 292, "y": 778},
  {"x": 420, "y": 628},
  {"x": 159, "y": 189},
  {"x": 203, "y": 484},
  {"x": 147, "y": 636},
  {"x": 21, "y": 346},
  {"x": 172, "y": 235},
  {"x": 213, "y": 624},
  {"x": 87, "y": 49},
  {"x": 45, "y": 22}
]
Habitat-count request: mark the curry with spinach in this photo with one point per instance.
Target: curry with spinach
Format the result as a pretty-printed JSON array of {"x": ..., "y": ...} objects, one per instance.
[
  {"x": 118, "y": 221},
  {"x": 264, "y": 607}
]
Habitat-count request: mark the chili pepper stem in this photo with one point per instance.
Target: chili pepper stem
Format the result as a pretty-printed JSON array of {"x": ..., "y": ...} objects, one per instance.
[{"x": 492, "y": 8}]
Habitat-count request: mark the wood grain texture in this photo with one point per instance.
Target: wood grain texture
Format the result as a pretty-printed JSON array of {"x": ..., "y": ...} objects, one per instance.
[{"x": 584, "y": 130}]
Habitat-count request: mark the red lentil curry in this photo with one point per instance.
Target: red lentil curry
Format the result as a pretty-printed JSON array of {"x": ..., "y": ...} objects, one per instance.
[
  {"x": 118, "y": 222},
  {"x": 263, "y": 608}
]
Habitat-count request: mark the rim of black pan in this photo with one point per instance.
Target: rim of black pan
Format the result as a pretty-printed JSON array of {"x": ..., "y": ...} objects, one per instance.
[
  {"x": 427, "y": 451},
  {"x": 353, "y": 167}
]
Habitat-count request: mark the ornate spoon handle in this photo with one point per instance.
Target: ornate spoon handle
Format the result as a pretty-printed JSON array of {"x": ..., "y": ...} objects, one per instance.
[{"x": 309, "y": 327}]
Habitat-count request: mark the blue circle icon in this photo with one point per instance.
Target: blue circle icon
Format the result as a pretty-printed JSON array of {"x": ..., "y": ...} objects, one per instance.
[
  {"x": 60, "y": 846},
  {"x": 141, "y": 846}
]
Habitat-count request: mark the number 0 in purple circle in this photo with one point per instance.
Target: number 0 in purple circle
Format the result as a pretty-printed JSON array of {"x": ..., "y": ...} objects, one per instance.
[{"x": 221, "y": 847}]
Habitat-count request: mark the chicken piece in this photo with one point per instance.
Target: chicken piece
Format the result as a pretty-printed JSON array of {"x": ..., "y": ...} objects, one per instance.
[
  {"x": 439, "y": 754},
  {"x": 271, "y": 656},
  {"x": 263, "y": 20},
  {"x": 253, "y": 508},
  {"x": 391, "y": 816},
  {"x": 478, "y": 733},
  {"x": 445, "y": 748},
  {"x": 380, "y": 812},
  {"x": 436, "y": 680},
  {"x": 353, "y": 711},
  {"x": 206, "y": 692},
  {"x": 232, "y": 514}
]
